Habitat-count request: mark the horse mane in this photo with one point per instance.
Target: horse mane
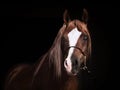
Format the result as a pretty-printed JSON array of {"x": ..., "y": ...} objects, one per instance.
[{"x": 54, "y": 54}]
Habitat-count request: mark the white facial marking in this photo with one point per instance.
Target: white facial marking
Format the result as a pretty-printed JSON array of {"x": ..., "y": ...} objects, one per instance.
[{"x": 73, "y": 37}]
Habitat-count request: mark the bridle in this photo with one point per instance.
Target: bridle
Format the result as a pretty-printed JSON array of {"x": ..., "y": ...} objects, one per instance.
[{"x": 78, "y": 49}]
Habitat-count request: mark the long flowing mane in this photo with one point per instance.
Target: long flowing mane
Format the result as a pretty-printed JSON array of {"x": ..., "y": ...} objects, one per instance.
[{"x": 54, "y": 54}]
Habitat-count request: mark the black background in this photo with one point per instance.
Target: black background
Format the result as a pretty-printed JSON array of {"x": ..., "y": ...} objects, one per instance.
[{"x": 28, "y": 31}]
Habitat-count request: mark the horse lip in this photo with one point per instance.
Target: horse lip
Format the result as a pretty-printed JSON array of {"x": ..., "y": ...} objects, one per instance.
[{"x": 75, "y": 72}]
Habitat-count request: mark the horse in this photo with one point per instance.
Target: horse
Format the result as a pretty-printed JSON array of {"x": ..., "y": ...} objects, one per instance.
[{"x": 58, "y": 68}]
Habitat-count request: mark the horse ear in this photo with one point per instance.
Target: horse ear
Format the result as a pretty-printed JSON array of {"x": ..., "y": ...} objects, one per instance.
[
  {"x": 66, "y": 17},
  {"x": 85, "y": 16}
]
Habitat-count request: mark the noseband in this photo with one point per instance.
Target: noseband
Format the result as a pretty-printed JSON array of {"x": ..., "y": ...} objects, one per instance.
[
  {"x": 78, "y": 49},
  {"x": 84, "y": 67}
]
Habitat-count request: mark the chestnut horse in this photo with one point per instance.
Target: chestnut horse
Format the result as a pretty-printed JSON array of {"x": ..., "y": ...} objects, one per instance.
[{"x": 58, "y": 68}]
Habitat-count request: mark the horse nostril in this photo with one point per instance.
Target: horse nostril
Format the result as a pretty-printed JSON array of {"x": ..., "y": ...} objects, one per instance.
[
  {"x": 76, "y": 62},
  {"x": 65, "y": 63}
]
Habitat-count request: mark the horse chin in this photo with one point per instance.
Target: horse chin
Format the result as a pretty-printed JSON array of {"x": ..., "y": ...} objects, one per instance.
[
  {"x": 75, "y": 73},
  {"x": 72, "y": 73}
]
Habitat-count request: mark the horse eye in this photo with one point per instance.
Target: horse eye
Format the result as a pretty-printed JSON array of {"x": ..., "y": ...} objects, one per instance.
[{"x": 85, "y": 37}]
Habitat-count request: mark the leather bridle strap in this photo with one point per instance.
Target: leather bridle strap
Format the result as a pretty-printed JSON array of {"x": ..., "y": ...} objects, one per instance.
[{"x": 78, "y": 49}]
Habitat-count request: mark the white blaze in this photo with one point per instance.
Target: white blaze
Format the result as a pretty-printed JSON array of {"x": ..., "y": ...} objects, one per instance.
[{"x": 73, "y": 37}]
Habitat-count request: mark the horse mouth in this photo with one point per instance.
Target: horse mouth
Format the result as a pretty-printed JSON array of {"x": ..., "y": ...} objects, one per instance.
[{"x": 75, "y": 71}]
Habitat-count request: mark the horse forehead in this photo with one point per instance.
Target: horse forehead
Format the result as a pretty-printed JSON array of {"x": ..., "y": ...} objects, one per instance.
[
  {"x": 73, "y": 36},
  {"x": 74, "y": 31}
]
